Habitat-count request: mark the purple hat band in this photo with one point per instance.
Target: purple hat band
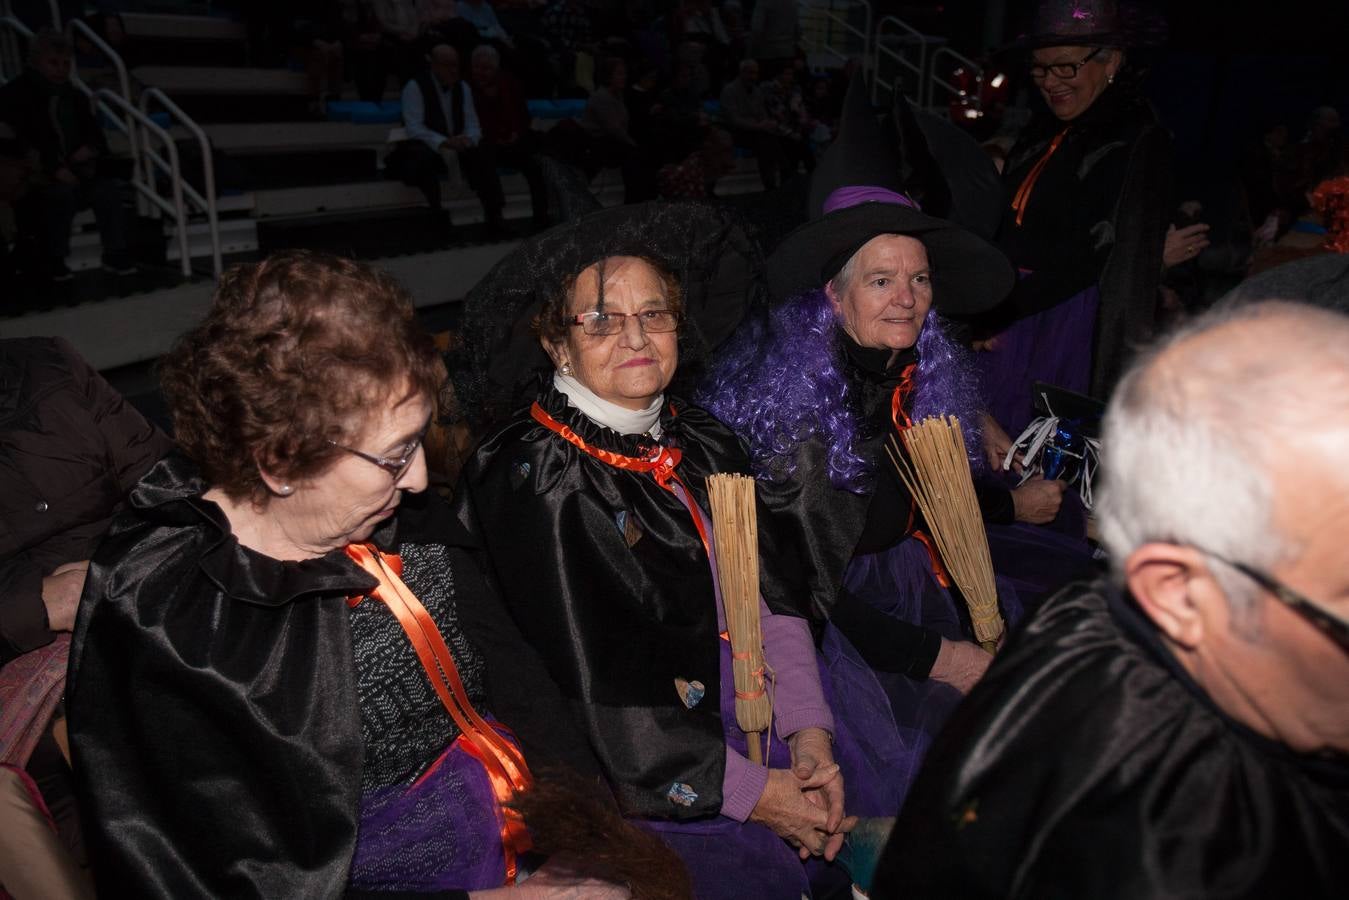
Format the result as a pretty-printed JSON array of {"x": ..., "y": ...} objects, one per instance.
[{"x": 855, "y": 195}]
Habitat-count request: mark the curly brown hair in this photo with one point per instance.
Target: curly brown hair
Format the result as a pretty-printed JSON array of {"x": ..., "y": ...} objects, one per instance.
[
  {"x": 552, "y": 322},
  {"x": 294, "y": 353}
]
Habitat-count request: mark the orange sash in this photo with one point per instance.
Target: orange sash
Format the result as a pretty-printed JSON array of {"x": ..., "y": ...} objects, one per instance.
[
  {"x": 901, "y": 420},
  {"x": 1028, "y": 183},
  {"x": 503, "y": 762},
  {"x": 661, "y": 465}
]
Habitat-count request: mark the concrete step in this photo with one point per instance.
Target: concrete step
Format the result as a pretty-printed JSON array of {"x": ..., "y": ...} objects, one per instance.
[
  {"x": 178, "y": 81},
  {"x": 236, "y": 236},
  {"x": 166, "y": 26}
]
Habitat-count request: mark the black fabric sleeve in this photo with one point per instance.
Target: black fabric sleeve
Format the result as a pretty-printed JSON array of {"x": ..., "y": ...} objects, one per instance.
[
  {"x": 995, "y": 502},
  {"x": 133, "y": 444},
  {"x": 886, "y": 643}
]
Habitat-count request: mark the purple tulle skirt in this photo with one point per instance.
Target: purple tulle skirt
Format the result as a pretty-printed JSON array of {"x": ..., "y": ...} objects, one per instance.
[
  {"x": 1053, "y": 346},
  {"x": 899, "y": 582},
  {"x": 441, "y": 833},
  {"x": 730, "y": 860}
]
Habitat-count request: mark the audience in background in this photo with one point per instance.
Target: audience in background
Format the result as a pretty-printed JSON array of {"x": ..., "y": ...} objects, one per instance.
[
  {"x": 52, "y": 119},
  {"x": 443, "y": 137},
  {"x": 504, "y": 118}
]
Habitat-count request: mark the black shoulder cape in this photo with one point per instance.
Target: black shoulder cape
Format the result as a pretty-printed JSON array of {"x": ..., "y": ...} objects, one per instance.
[
  {"x": 1088, "y": 764},
  {"x": 606, "y": 577},
  {"x": 213, "y": 712}
]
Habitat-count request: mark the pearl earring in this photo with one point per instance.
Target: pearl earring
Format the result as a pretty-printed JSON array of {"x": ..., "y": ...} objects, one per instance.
[
  {"x": 565, "y": 368},
  {"x": 286, "y": 489}
]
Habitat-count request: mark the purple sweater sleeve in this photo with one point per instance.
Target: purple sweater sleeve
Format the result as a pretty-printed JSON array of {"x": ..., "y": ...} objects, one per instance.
[{"x": 798, "y": 703}]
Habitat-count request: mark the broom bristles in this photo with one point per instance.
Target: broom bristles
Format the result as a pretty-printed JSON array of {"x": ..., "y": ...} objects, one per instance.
[
  {"x": 936, "y": 471},
  {"x": 735, "y": 535}
]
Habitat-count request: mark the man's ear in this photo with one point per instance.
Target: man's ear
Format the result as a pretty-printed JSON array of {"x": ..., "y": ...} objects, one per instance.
[{"x": 1171, "y": 582}]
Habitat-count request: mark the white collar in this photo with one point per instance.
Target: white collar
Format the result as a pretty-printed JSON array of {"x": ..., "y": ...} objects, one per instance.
[{"x": 610, "y": 415}]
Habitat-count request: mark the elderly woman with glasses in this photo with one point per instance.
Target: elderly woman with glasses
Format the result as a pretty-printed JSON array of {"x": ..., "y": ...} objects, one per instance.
[
  {"x": 591, "y": 504},
  {"x": 1085, "y": 219},
  {"x": 271, "y": 690}
]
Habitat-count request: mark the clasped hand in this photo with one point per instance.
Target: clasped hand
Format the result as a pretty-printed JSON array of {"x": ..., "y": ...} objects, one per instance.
[{"x": 804, "y": 804}]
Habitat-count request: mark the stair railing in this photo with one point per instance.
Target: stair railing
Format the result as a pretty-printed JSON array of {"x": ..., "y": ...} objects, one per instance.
[{"x": 205, "y": 200}]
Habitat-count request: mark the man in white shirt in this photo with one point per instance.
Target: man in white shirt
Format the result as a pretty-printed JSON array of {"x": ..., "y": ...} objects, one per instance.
[{"x": 443, "y": 136}]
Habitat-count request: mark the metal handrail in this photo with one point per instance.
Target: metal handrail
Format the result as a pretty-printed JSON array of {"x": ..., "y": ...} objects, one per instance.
[
  {"x": 55, "y": 9},
  {"x": 961, "y": 58},
  {"x": 177, "y": 210},
  {"x": 919, "y": 69},
  {"x": 123, "y": 82},
  {"x": 208, "y": 201},
  {"x": 830, "y": 14},
  {"x": 10, "y": 25}
]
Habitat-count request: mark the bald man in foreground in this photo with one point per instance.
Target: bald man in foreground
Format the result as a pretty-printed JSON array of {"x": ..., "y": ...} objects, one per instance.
[{"x": 1182, "y": 728}]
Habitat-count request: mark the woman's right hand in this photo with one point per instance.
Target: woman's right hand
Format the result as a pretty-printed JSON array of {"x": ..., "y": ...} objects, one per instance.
[
  {"x": 784, "y": 807},
  {"x": 1037, "y": 501},
  {"x": 1184, "y": 244},
  {"x": 960, "y": 664}
]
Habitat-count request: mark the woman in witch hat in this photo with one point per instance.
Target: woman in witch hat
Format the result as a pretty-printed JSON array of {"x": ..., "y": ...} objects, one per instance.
[
  {"x": 856, "y": 346},
  {"x": 1085, "y": 217},
  {"x": 591, "y": 506}
]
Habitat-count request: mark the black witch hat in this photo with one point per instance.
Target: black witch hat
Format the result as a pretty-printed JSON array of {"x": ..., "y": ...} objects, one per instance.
[
  {"x": 1091, "y": 23},
  {"x": 719, "y": 267},
  {"x": 858, "y": 192}
]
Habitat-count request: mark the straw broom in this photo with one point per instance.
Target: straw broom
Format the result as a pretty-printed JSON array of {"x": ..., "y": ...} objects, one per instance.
[
  {"x": 735, "y": 533},
  {"x": 937, "y": 473}
]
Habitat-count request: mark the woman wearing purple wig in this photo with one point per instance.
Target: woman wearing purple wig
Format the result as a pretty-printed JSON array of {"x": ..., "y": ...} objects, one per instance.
[{"x": 854, "y": 351}]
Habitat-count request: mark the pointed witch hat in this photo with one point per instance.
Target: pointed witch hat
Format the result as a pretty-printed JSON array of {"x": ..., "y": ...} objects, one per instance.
[{"x": 857, "y": 193}]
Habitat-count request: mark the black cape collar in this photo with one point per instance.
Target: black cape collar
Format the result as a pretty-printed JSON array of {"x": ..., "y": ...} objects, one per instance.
[
  {"x": 171, "y": 493},
  {"x": 873, "y": 364},
  {"x": 554, "y": 402},
  {"x": 1329, "y": 767}
]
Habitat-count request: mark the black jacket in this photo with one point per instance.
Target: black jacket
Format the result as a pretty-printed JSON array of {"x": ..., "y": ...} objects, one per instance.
[
  {"x": 70, "y": 449},
  {"x": 1087, "y": 763}
]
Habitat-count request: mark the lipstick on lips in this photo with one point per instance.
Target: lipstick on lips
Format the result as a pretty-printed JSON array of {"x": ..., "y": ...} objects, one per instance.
[{"x": 637, "y": 361}]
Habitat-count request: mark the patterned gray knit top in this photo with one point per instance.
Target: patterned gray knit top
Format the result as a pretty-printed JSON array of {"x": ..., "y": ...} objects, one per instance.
[{"x": 403, "y": 723}]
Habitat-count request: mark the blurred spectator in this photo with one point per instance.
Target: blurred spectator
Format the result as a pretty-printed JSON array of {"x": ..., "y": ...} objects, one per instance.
[
  {"x": 567, "y": 24},
  {"x": 772, "y": 34},
  {"x": 480, "y": 15},
  {"x": 504, "y": 117},
  {"x": 15, "y": 173},
  {"x": 317, "y": 30},
  {"x": 440, "y": 23},
  {"x": 605, "y": 122},
  {"x": 1257, "y": 168},
  {"x": 387, "y": 39},
  {"x": 443, "y": 137},
  {"x": 744, "y": 107},
  {"x": 787, "y": 108},
  {"x": 696, "y": 176},
  {"x": 54, "y": 120}
]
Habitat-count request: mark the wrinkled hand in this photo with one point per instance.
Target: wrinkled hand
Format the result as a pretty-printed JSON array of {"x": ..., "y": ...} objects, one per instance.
[
  {"x": 1037, "y": 501},
  {"x": 960, "y": 664},
  {"x": 996, "y": 444},
  {"x": 1183, "y": 244},
  {"x": 61, "y": 594},
  {"x": 812, "y": 759},
  {"x": 785, "y": 808}
]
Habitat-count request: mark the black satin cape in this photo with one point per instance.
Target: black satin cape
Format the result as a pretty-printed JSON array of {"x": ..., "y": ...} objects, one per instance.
[
  {"x": 605, "y": 575},
  {"x": 1087, "y": 763},
  {"x": 212, "y": 704}
]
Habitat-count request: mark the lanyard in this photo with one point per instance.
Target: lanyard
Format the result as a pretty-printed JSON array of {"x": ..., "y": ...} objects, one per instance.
[{"x": 1028, "y": 183}]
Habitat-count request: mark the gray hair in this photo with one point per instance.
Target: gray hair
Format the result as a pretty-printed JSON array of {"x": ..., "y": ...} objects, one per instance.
[
  {"x": 486, "y": 51},
  {"x": 1199, "y": 422}
]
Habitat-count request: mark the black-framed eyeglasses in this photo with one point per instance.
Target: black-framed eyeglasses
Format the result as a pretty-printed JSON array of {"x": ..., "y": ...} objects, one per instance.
[
  {"x": 394, "y": 465},
  {"x": 1325, "y": 621},
  {"x": 1062, "y": 71},
  {"x": 651, "y": 321}
]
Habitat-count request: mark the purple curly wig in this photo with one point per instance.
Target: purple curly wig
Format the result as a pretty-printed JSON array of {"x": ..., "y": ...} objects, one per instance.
[{"x": 780, "y": 381}]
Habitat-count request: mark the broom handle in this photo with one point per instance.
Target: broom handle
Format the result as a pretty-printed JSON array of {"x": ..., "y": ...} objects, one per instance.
[{"x": 755, "y": 751}]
